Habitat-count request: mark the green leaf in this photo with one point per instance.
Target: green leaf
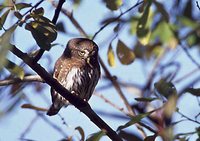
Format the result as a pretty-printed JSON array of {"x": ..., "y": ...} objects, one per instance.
[
  {"x": 126, "y": 56},
  {"x": 150, "y": 138},
  {"x": 14, "y": 69},
  {"x": 3, "y": 18},
  {"x": 81, "y": 131},
  {"x": 111, "y": 56},
  {"x": 165, "y": 88},
  {"x": 195, "y": 92},
  {"x": 96, "y": 136},
  {"x": 43, "y": 31},
  {"x": 188, "y": 22},
  {"x": 5, "y": 45},
  {"x": 145, "y": 99},
  {"x": 168, "y": 38},
  {"x": 143, "y": 32},
  {"x": 133, "y": 25},
  {"x": 134, "y": 120},
  {"x": 113, "y": 4},
  {"x": 141, "y": 27}
]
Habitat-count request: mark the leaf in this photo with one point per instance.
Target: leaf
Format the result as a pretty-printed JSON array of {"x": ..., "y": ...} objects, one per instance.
[
  {"x": 162, "y": 10},
  {"x": 170, "y": 106},
  {"x": 125, "y": 55},
  {"x": 129, "y": 136},
  {"x": 5, "y": 45},
  {"x": 141, "y": 27},
  {"x": 113, "y": 4},
  {"x": 165, "y": 88},
  {"x": 14, "y": 69},
  {"x": 145, "y": 99},
  {"x": 81, "y": 131},
  {"x": 43, "y": 31},
  {"x": 151, "y": 138},
  {"x": 133, "y": 25},
  {"x": 96, "y": 136},
  {"x": 111, "y": 56},
  {"x": 167, "y": 38},
  {"x": 60, "y": 27},
  {"x": 195, "y": 92},
  {"x": 38, "y": 12},
  {"x": 3, "y": 18},
  {"x": 29, "y": 106},
  {"x": 20, "y": 6},
  {"x": 135, "y": 119},
  {"x": 18, "y": 15}
]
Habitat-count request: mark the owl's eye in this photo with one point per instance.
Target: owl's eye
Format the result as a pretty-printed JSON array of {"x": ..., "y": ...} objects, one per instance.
[{"x": 81, "y": 53}]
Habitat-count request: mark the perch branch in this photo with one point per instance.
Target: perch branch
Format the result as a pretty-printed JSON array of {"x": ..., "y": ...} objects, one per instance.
[{"x": 73, "y": 99}]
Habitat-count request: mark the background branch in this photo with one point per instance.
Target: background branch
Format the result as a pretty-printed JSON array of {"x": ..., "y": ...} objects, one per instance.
[{"x": 30, "y": 78}]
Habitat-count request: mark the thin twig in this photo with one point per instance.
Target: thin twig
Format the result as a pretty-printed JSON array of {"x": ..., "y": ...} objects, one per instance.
[
  {"x": 30, "y": 78},
  {"x": 72, "y": 19},
  {"x": 117, "y": 18},
  {"x": 197, "y": 5},
  {"x": 112, "y": 104},
  {"x": 28, "y": 128},
  {"x": 188, "y": 118},
  {"x": 189, "y": 55}
]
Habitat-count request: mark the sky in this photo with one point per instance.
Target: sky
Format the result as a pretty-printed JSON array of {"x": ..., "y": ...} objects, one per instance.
[{"x": 89, "y": 14}]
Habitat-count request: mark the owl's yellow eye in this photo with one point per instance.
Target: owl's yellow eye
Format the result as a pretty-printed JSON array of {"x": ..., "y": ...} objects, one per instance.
[{"x": 81, "y": 53}]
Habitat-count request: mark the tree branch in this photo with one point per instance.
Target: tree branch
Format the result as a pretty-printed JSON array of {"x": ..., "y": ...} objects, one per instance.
[
  {"x": 108, "y": 74},
  {"x": 30, "y": 78},
  {"x": 73, "y": 99}
]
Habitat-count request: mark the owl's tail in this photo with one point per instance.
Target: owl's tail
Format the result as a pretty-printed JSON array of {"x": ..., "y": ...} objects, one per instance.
[{"x": 52, "y": 110}]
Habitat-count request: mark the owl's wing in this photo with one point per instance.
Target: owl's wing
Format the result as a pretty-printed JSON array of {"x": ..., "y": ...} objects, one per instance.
[{"x": 61, "y": 70}]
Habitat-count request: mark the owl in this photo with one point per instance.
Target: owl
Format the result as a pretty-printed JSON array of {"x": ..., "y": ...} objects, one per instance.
[{"x": 77, "y": 70}]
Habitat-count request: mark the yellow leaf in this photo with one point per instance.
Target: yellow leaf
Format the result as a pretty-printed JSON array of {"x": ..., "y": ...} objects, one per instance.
[
  {"x": 111, "y": 56},
  {"x": 15, "y": 69},
  {"x": 126, "y": 55},
  {"x": 113, "y": 4},
  {"x": 170, "y": 106},
  {"x": 145, "y": 40}
]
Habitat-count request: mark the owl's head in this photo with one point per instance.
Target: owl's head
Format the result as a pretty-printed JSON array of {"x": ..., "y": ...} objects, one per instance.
[{"x": 81, "y": 48}]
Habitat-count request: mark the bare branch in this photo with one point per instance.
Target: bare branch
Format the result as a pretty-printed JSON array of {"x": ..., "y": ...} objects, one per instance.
[{"x": 30, "y": 78}]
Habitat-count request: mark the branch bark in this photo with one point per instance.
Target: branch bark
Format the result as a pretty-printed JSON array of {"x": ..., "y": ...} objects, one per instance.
[
  {"x": 73, "y": 99},
  {"x": 30, "y": 78}
]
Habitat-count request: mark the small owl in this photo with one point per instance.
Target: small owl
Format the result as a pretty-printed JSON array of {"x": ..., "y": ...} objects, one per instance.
[{"x": 77, "y": 70}]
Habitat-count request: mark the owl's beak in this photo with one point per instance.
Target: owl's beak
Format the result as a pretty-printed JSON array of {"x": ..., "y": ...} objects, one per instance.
[
  {"x": 87, "y": 57},
  {"x": 88, "y": 62}
]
